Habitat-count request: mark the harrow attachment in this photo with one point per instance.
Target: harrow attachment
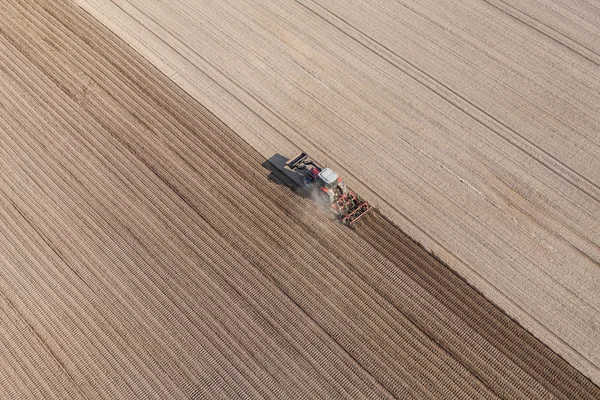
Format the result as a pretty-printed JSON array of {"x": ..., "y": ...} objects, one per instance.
[{"x": 351, "y": 208}]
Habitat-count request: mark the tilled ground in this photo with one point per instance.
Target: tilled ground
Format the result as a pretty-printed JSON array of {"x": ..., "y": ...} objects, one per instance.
[
  {"x": 147, "y": 251},
  {"x": 472, "y": 124}
]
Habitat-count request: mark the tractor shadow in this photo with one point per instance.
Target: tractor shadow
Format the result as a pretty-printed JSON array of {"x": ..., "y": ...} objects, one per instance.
[
  {"x": 283, "y": 176},
  {"x": 280, "y": 174}
]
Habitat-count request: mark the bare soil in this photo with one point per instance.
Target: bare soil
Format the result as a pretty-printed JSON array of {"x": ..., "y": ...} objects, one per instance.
[
  {"x": 472, "y": 124},
  {"x": 147, "y": 251}
]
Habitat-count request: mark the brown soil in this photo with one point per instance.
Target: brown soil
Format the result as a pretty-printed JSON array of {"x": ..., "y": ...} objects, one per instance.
[
  {"x": 147, "y": 251},
  {"x": 471, "y": 124}
]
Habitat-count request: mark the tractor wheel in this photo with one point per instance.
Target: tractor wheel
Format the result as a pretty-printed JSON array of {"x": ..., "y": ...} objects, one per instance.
[
  {"x": 308, "y": 181},
  {"x": 323, "y": 197}
]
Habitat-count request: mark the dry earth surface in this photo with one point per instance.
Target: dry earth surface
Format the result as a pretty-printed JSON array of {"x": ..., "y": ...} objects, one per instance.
[
  {"x": 147, "y": 251},
  {"x": 472, "y": 124}
]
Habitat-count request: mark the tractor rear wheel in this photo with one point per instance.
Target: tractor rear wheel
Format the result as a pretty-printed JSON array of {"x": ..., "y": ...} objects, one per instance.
[{"x": 323, "y": 197}]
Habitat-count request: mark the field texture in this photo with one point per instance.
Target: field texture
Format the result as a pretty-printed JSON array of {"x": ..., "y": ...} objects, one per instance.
[
  {"x": 147, "y": 251},
  {"x": 474, "y": 125}
]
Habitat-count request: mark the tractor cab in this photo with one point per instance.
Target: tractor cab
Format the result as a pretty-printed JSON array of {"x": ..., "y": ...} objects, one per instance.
[{"x": 327, "y": 178}]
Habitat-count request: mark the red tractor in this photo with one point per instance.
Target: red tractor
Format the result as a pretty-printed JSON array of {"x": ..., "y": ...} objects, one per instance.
[{"x": 330, "y": 189}]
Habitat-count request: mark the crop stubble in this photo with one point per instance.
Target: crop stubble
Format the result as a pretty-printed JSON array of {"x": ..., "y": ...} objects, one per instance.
[{"x": 145, "y": 252}]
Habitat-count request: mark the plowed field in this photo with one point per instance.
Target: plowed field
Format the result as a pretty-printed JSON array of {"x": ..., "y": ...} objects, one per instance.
[
  {"x": 148, "y": 251},
  {"x": 472, "y": 124}
]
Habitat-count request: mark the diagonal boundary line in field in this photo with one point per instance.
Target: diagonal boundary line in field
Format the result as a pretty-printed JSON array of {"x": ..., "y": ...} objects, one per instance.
[
  {"x": 412, "y": 223},
  {"x": 296, "y": 131},
  {"x": 154, "y": 172},
  {"x": 366, "y": 185},
  {"x": 101, "y": 123},
  {"x": 477, "y": 120}
]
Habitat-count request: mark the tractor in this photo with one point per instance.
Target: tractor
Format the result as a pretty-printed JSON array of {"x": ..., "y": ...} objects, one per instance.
[{"x": 328, "y": 188}]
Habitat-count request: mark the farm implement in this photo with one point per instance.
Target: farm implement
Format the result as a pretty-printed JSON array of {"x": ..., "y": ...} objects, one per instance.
[{"x": 328, "y": 188}]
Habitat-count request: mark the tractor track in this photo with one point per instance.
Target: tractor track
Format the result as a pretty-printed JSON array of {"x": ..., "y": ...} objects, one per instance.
[
  {"x": 147, "y": 253},
  {"x": 483, "y": 114}
]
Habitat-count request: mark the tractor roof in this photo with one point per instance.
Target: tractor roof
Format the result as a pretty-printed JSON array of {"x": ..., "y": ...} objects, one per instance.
[{"x": 328, "y": 175}]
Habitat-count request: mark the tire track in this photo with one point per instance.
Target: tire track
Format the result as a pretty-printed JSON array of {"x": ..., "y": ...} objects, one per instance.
[{"x": 236, "y": 291}]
